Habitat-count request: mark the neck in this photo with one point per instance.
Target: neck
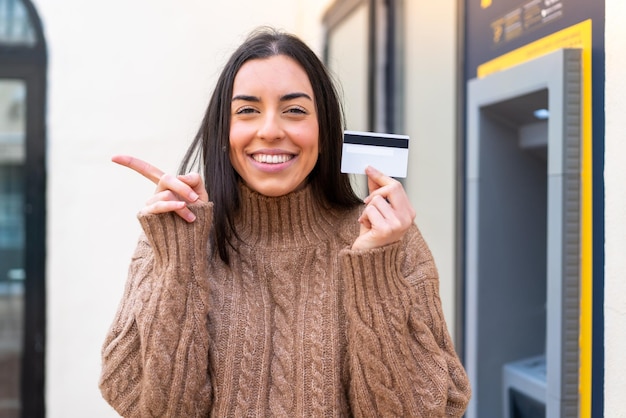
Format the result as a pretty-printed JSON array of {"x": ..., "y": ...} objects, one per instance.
[{"x": 295, "y": 219}]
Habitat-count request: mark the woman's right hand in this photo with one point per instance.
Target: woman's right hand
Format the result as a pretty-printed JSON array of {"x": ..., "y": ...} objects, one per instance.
[{"x": 173, "y": 193}]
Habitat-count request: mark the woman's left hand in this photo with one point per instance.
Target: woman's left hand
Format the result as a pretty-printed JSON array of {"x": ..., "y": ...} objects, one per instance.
[{"x": 388, "y": 212}]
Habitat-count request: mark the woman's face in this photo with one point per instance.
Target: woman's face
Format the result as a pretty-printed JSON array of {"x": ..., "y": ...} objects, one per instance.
[{"x": 274, "y": 133}]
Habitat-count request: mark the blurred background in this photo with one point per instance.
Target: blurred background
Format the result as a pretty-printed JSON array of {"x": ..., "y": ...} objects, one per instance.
[{"x": 81, "y": 81}]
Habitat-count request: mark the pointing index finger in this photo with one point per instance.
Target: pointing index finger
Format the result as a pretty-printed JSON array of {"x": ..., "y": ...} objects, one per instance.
[{"x": 145, "y": 169}]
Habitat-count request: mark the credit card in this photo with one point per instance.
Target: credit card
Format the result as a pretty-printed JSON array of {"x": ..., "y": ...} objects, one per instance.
[{"x": 388, "y": 153}]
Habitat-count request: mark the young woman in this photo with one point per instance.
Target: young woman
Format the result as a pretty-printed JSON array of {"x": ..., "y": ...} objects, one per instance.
[{"x": 264, "y": 286}]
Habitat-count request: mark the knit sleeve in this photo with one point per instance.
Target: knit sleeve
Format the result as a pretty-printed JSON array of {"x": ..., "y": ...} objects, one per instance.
[
  {"x": 155, "y": 355},
  {"x": 400, "y": 355}
]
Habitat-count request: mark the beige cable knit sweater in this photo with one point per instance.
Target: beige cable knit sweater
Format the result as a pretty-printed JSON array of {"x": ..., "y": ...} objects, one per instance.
[{"x": 299, "y": 326}]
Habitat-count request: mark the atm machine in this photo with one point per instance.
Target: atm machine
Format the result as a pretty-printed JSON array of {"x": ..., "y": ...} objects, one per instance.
[{"x": 522, "y": 249}]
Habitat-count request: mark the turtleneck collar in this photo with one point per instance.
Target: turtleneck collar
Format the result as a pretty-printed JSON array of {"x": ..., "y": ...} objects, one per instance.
[{"x": 293, "y": 220}]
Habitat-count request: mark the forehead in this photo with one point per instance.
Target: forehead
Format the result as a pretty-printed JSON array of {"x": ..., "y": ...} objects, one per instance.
[{"x": 277, "y": 73}]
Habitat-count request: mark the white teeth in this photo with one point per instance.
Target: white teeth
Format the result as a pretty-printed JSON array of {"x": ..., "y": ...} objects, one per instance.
[{"x": 272, "y": 159}]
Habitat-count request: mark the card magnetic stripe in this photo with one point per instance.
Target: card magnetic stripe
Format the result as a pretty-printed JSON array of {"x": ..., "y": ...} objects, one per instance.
[{"x": 376, "y": 141}]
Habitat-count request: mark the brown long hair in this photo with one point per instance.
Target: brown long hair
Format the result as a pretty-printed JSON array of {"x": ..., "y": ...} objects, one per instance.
[{"x": 209, "y": 149}]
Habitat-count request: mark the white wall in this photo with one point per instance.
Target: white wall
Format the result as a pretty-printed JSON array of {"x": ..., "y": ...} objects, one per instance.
[
  {"x": 615, "y": 211},
  {"x": 134, "y": 77},
  {"x": 430, "y": 100},
  {"x": 124, "y": 77}
]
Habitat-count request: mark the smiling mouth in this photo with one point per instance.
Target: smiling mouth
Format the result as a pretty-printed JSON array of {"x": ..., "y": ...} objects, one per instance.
[{"x": 272, "y": 158}]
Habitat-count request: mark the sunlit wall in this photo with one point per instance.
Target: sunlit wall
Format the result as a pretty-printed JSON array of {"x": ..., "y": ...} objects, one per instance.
[{"x": 124, "y": 77}]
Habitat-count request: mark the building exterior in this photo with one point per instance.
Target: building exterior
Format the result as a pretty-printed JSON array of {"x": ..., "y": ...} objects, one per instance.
[{"x": 135, "y": 77}]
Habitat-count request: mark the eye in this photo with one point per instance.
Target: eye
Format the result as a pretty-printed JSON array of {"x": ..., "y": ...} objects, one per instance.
[
  {"x": 297, "y": 110},
  {"x": 245, "y": 110}
]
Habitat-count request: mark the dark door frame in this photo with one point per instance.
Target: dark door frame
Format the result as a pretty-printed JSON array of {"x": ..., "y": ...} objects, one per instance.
[{"x": 29, "y": 64}]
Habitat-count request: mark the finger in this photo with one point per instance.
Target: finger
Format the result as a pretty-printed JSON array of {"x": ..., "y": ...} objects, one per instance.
[
  {"x": 147, "y": 170},
  {"x": 167, "y": 201},
  {"x": 383, "y": 206},
  {"x": 379, "y": 183},
  {"x": 180, "y": 208},
  {"x": 398, "y": 215},
  {"x": 163, "y": 207},
  {"x": 194, "y": 180},
  {"x": 376, "y": 178},
  {"x": 392, "y": 190},
  {"x": 165, "y": 196},
  {"x": 378, "y": 225},
  {"x": 389, "y": 220},
  {"x": 364, "y": 221},
  {"x": 180, "y": 188}
]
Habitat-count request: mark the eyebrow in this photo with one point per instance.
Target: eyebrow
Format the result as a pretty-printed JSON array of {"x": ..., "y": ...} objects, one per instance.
[{"x": 285, "y": 98}]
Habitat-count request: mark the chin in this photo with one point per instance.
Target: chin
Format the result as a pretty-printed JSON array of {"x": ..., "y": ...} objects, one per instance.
[{"x": 276, "y": 191}]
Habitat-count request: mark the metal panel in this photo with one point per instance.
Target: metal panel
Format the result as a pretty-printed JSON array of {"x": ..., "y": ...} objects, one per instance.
[{"x": 496, "y": 110}]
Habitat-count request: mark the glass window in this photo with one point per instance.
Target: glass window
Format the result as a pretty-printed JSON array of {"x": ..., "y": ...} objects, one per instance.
[
  {"x": 347, "y": 58},
  {"x": 15, "y": 25},
  {"x": 363, "y": 52},
  {"x": 12, "y": 242},
  {"x": 23, "y": 63}
]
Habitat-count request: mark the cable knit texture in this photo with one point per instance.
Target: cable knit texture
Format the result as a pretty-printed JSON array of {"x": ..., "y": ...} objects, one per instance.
[{"x": 300, "y": 325}]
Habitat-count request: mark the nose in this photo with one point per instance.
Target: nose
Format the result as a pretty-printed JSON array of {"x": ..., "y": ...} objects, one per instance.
[{"x": 270, "y": 128}]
